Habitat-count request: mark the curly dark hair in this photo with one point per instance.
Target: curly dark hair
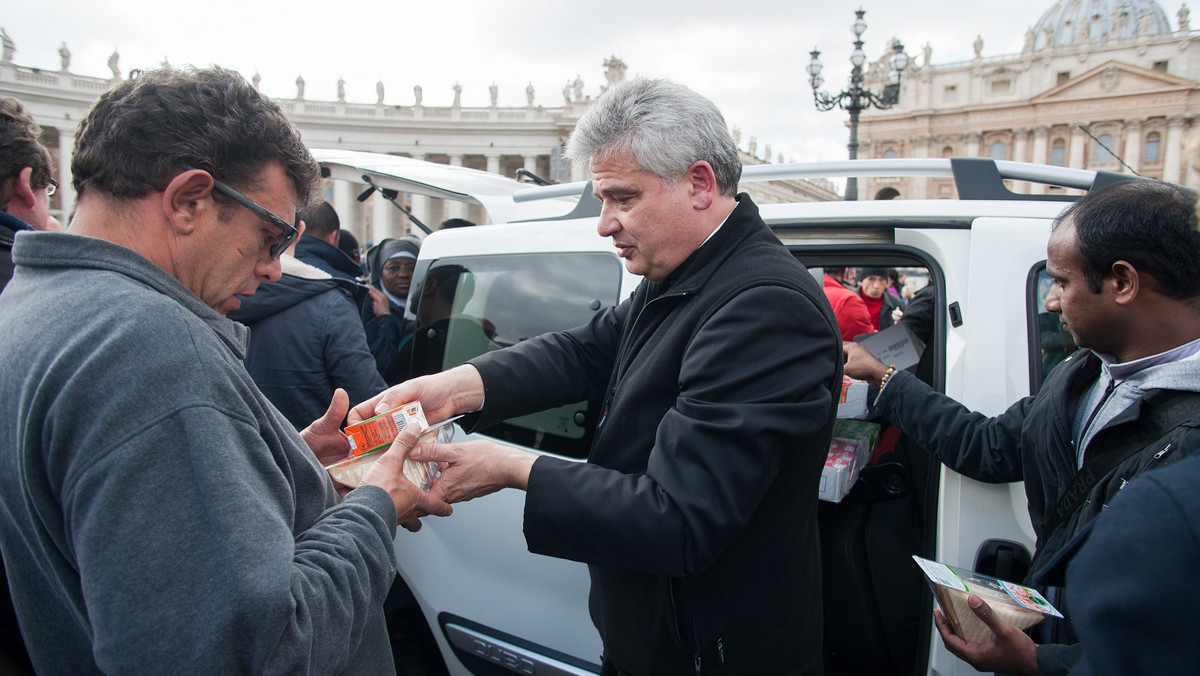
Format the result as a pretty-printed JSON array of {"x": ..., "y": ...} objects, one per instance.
[{"x": 144, "y": 131}]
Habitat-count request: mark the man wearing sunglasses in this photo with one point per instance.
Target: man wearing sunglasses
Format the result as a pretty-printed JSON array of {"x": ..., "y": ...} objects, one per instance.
[{"x": 156, "y": 511}]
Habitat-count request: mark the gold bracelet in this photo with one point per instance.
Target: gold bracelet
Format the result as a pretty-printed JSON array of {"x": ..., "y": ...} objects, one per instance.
[{"x": 886, "y": 374}]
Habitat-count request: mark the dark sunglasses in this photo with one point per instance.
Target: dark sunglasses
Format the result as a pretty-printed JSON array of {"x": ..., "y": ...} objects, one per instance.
[{"x": 290, "y": 232}]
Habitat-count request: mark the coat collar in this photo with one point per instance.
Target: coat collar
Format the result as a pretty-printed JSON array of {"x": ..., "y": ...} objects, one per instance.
[{"x": 697, "y": 269}]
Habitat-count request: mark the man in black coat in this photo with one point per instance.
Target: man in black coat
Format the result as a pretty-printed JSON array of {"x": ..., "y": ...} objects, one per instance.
[{"x": 697, "y": 509}]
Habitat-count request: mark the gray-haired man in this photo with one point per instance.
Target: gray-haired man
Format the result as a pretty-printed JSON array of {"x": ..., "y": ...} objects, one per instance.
[{"x": 697, "y": 510}]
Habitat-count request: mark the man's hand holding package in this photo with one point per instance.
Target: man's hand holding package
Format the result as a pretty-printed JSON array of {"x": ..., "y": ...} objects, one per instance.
[
  {"x": 475, "y": 468},
  {"x": 324, "y": 436},
  {"x": 388, "y": 473},
  {"x": 1008, "y": 649},
  {"x": 446, "y": 394}
]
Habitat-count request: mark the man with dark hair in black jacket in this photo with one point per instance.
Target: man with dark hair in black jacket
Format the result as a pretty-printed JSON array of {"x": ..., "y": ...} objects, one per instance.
[{"x": 1125, "y": 261}]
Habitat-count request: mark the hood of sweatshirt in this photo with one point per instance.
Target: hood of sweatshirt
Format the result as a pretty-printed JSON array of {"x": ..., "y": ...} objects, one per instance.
[{"x": 300, "y": 281}]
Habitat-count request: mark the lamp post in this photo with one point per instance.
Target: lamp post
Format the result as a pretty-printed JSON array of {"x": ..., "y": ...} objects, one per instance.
[{"x": 856, "y": 98}]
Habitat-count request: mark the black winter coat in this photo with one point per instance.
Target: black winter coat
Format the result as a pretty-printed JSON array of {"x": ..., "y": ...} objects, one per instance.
[
  {"x": 697, "y": 508},
  {"x": 306, "y": 340}
]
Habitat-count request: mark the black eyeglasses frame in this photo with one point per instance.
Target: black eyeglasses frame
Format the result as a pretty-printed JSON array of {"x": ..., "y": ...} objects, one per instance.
[{"x": 290, "y": 232}]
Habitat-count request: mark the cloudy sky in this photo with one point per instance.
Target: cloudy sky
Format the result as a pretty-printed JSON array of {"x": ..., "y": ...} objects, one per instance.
[{"x": 748, "y": 56}]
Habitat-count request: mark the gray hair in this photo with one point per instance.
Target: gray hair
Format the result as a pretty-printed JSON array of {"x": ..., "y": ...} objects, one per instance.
[
  {"x": 665, "y": 126},
  {"x": 146, "y": 130}
]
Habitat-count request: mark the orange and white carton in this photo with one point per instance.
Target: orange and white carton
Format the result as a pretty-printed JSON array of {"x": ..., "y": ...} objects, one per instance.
[
  {"x": 383, "y": 429},
  {"x": 370, "y": 438}
]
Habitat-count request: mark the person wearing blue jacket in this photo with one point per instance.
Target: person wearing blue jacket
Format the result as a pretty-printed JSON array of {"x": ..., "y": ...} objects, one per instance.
[{"x": 306, "y": 341}]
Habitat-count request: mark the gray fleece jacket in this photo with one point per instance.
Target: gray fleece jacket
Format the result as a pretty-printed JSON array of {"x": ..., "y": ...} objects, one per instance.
[{"x": 157, "y": 513}]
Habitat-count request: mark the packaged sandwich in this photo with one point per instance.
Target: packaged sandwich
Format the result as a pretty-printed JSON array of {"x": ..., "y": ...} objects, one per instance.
[
  {"x": 1017, "y": 605},
  {"x": 371, "y": 438}
]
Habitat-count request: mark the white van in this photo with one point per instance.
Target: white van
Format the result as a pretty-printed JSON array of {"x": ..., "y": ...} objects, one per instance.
[{"x": 538, "y": 266}]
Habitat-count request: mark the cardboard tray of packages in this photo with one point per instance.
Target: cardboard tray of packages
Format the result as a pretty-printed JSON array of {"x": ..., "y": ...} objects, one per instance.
[
  {"x": 849, "y": 451},
  {"x": 1016, "y": 604}
]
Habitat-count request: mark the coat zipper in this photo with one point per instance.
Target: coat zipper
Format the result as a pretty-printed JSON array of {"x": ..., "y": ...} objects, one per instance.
[{"x": 1164, "y": 452}]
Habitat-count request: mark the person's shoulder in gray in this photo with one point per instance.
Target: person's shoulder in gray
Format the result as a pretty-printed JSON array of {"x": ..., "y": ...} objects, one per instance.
[
  {"x": 306, "y": 341},
  {"x": 193, "y": 528},
  {"x": 1125, "y": 262}
]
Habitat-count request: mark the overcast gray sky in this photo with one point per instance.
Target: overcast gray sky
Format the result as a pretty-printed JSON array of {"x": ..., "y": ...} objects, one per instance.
[{"x": 748, "y": 56}]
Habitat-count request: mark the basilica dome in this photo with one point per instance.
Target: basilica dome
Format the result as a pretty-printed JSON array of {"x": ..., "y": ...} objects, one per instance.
[{"x": 1075, "y": 22}]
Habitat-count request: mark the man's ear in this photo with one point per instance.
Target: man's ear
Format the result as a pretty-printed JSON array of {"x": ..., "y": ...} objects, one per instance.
[
  {"x": 22, "y": 191},
  {"x": 1126, "y": 282},
  {"x": 703, "y": 182},
  {"x": 331, "y": 238},
  {"x": 187, "y": 199}
]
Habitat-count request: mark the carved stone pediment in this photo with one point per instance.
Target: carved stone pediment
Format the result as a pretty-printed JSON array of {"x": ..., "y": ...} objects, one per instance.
[{"x": 1114, "y": 78}]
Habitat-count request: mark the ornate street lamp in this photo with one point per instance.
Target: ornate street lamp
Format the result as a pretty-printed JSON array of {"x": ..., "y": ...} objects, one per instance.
[{"x": 856, "y": 98}]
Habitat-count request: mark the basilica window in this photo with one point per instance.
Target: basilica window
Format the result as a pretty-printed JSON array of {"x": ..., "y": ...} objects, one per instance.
[
  {"x": 1101, "y": 149},
  {"x": 998, "y": 150},
  {"x": 1058, "y": 153},
  {"x": 889, "y": 154},
  {"x": 1001, "y": 86},
  {"x": 1151, "y": 148}
]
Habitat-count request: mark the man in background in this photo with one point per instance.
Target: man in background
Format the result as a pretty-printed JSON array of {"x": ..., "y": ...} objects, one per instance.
[
  {"x": 884, "y": 308},
  {"x": 26, "y": 182},
  {"x": 318, "y": 246}
]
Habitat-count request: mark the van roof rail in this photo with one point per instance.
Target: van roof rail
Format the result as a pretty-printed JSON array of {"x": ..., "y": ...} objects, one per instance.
[{"x": 976, "y": 178}]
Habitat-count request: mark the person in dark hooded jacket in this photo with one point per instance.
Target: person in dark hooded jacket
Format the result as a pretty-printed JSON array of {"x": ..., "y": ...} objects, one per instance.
[
  {"x": 318, "y": 246},
  {"x": 306, "y": 340},
  {"x": 390, "y": 266}
]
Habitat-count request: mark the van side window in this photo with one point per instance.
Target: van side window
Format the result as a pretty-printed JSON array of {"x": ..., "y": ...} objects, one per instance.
[
  {"x": 1049, "y": 343},
  {"x": 468, "y": 306}
]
